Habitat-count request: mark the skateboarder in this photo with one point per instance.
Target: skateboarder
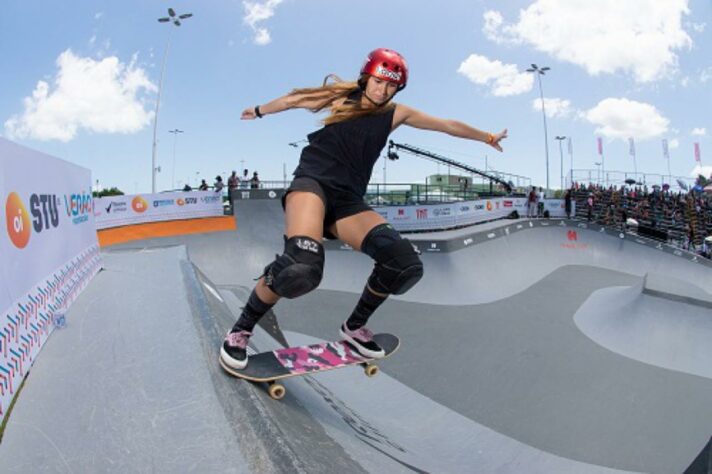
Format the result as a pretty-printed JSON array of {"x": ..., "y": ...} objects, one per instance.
[{"x": 326, "y": 198}]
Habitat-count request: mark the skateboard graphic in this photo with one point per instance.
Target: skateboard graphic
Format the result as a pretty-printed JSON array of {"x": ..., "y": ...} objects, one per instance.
[{"x": 304, "y": 360}]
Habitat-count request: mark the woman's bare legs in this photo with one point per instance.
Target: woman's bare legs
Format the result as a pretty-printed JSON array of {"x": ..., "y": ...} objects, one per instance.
[
  {"x": 368, "y": 232},
  {"x": 303, "y": 215},
  {"x": 304, "y": 218}
]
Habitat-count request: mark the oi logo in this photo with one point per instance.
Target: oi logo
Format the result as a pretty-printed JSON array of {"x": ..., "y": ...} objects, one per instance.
[
  {"x": 18, "y": 221},
  {"x": 139, "y": 204}
]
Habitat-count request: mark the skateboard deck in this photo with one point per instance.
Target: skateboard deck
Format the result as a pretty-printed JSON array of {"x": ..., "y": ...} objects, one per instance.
[{"x": 310, "y": 359}]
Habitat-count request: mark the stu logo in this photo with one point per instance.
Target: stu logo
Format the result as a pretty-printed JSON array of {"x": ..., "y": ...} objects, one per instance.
[{"x": 44, "y": 211}]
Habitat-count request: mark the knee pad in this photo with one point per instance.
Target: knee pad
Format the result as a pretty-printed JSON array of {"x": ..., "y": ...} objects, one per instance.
[
  {"x": 398, "y": 267},
  {"x": 298, "y": 270}
]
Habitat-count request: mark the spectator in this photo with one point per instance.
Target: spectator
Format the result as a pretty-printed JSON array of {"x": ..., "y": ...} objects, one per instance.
[
  {"x": 218, "y": 186},
  {"x": 567, "y": 203},
  {"x": 245, "y": 179},
  {"x": 589, "y": 207},
  {"x": 203, "y": 186},
  {"x": 255, "y": 181},
  {"x": 706, "y": 251},
  {"x": 232, "y": 183},
  {"x": 531, "y": 202},
  {"x": 540, "y": 202},
  {"x": 187, "y": 187}
]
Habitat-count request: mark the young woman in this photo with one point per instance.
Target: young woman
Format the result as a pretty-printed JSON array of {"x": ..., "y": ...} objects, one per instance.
[{"x": 326, "y": 198}]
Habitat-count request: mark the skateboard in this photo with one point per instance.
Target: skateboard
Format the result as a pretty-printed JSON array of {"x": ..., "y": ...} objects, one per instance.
[{"x": 274, "y": 365}]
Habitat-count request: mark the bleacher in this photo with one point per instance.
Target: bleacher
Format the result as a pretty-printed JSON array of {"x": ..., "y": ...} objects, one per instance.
[{"x": 682, "y": 219}]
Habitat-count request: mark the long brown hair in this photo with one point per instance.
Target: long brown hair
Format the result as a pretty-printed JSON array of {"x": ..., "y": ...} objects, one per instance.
[{"x": 331, "y": 95}]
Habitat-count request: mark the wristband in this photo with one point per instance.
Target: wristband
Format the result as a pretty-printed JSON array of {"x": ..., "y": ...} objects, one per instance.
[{"x": 257, "y": 111}]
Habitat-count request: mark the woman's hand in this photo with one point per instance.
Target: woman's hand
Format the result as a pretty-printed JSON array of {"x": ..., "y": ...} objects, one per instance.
[
  {"x": 496, "y": 138},
  {"x": 248, "y": 114}
]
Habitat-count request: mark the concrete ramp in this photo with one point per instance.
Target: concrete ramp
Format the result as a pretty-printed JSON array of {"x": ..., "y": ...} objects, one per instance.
[
  {"x": 661, "y": 331},
  {"x": 527, "y": 347}
]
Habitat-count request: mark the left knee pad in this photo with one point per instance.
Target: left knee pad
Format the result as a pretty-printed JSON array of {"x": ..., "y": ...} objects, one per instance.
[{"x": 398, "y": 267}]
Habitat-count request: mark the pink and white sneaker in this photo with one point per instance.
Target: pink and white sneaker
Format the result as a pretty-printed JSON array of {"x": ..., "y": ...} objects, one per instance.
[
  {"x": 234, "y": 349},
  {"x": 362, "y": 340}
]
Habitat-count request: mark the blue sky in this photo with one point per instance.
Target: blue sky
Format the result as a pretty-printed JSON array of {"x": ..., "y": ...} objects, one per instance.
[{"x": 79, "y": 81}]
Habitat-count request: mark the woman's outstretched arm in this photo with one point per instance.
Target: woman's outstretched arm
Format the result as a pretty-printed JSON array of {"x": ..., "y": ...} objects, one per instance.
[
  {"x": 405, "y": 115},
  {"x": 286, "y": 102}
]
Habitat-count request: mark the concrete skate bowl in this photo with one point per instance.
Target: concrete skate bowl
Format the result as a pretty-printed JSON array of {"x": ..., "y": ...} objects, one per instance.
[{"x": 505, "y": 364}]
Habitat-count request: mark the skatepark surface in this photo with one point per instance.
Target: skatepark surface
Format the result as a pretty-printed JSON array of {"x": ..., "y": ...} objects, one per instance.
[{"x": 547, "y": 346}]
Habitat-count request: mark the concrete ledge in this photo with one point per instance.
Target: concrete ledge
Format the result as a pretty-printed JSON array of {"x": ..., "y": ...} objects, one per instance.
[{"x": 670, "y": 288}]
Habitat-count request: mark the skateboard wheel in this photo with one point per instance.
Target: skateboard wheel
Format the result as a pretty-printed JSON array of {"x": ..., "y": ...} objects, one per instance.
[
  {"x": 370, "y": 370},
  {"x": 276, "y": 391}
]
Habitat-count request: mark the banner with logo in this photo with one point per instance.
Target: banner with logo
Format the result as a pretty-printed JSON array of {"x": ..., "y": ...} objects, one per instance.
[
  {"x": 116, "y": 211},
  {"x": 48, "y": 254},
  {"x": 445, "y": 216}
]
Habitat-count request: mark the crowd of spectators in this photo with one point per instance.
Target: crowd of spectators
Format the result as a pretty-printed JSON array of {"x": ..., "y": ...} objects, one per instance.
[
  {"x": 682, "y": 218},
  {"x": 234, "y": 182}
]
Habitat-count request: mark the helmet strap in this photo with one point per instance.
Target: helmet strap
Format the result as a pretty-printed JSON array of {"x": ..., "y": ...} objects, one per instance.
[{"x": 362, "y": 85}]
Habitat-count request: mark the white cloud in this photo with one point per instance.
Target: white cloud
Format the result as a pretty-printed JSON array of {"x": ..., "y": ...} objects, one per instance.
[
  {"x": 493, "y": 22},
  {"x": 623, "y": 118},
  {"x": 699, "y": 131},
  {"x": 262, "y": 36},
  {"x": 98, "y": 96},
  {"x": 606, "y": 36},
  {"x": 706, "y": 75},
  {"x": 673, "y": 144},
  {"x": 503, "y": 79},
  {"x": 698, "y": 27},
  {"x": 256, "y": 13},
  {"x": 555, "y": 107},
  {"x": 97, "y": 16}
]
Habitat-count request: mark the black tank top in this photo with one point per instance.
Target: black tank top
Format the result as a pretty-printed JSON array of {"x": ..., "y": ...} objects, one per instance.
[{"x": 341, "y": 156}]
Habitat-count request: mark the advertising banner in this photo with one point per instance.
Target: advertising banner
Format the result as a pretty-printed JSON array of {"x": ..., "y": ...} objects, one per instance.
[
  {"x": 115, "y": 211},
  {"x": 48, "y": 253},
  {"x": 445, "y": 216}
]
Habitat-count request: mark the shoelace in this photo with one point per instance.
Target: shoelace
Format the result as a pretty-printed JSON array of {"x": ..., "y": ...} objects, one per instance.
[{"x": 238, "y": 339}]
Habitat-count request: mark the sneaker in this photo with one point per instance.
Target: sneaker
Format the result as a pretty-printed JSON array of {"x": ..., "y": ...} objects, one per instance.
[
  {"x": 234, "y": 349},
  {"x": 362, "y": 340}
]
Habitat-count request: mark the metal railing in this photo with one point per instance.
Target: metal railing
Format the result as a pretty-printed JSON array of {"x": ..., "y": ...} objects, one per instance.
[
  {"x": 401, "y": 194},
  {"x": 619, "y": 178}
]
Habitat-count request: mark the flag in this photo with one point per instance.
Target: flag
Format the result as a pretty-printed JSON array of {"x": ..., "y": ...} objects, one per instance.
[
  {"x": 570, "y": 146},
  {"x": 698, "y": 158},
  {"x": 600, "y": 146},
  {"x": 631, "y": 147},
  {"x": 666, "y": 151}
]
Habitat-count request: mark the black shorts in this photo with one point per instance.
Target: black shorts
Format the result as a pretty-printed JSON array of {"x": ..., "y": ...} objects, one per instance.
[{"x": 337, "y": 206}]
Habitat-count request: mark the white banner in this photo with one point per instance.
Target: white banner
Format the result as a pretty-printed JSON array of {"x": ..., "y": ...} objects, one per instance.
[
  {"x": 116, "y": 211},
  {"x": 48, "y": 254},
  {"x": 444, "y": 216}
]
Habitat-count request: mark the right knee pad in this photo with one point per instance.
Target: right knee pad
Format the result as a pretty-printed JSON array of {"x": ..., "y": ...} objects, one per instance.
[{"x": 298, "y": 270}]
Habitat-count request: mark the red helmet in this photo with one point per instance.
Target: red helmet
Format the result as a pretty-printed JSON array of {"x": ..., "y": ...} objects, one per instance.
[{"x": 388, "y": 65}]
